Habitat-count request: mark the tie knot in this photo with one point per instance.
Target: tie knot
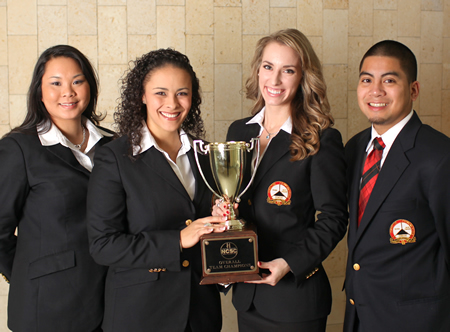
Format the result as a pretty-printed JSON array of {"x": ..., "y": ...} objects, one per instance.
[{"x": 378, "y": 144}]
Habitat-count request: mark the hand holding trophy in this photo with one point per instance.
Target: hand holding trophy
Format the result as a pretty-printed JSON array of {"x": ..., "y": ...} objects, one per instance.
[{"x": 231, "y": 256}]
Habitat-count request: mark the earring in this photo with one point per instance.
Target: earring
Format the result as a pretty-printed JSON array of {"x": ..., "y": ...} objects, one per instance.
[{"x": 143, "y": 101}]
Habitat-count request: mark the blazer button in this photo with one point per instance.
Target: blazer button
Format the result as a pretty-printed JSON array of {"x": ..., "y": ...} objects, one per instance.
[
  {"x": 159, "y": 270},
  {"x": 249, "y": 201},
  {"x": 352, "y": 302},
  {"x": 188, "y": 222},
  {"x": 151, "y": 270},
  {"x": 356, "y": 267},
  {"x": 163, "y": 269},
  {"x": 185, "y": 263}
]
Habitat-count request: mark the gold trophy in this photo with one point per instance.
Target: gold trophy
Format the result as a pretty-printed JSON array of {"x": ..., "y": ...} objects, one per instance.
[{"x": 231, "y": 256}]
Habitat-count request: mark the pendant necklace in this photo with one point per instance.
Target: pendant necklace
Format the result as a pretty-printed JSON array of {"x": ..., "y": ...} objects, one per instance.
[
  {"x": 78, "y": 146},
  {"x": 269, "y": 134}
]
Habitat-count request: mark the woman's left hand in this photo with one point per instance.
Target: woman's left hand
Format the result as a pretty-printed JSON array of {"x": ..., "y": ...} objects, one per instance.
[
  {"x": 278, "y": 269},
  {"x": 190, "y": 235}
]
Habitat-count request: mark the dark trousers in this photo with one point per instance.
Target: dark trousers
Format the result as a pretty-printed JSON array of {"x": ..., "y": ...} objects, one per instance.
[{"x": 252, "y": 321}]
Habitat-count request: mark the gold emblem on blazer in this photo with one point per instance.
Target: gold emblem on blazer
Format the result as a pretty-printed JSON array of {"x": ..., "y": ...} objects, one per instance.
[
  {"x": 279, "y": 193},
  {"x": 402, "y": 231}
]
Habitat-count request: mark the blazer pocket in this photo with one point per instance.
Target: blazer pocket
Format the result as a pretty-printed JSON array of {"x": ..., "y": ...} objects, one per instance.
[
  {"x": 129, "y": 277},
  {"x": 51, "y": 264},
  {"x": 399, "y": 205},
  {"x": 424, "y": 300}
]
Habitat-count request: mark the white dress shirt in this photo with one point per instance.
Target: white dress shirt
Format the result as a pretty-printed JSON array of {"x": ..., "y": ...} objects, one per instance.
[
  {"x": 388, "y": 137},
  {"x": 181, "y": 167},
  {"x": 259, "y": 118},
  {"x": 55, "y": 136}
]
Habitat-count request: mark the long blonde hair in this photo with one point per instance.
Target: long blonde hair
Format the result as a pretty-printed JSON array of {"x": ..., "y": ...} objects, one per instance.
[{"x": 310, "y": 107}]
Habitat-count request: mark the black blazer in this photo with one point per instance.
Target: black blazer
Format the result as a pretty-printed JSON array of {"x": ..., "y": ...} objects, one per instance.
[
  {"x": 136, "y": 211},
  {"x": 55, "y": 285},
  {"x": 317, "y": 183},
  {"x": 401, "y": 286}
]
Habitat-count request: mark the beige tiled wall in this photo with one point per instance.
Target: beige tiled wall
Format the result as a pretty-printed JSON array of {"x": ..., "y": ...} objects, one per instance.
[{"x": 219, "y": 38}]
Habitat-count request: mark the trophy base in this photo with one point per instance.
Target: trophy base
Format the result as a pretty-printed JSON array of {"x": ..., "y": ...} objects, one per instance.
[
  {"x": 229, "y": 257},
  {"x": 235, "y": 225}
]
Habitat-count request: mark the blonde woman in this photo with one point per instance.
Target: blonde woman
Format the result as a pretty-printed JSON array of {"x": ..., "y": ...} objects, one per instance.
[{"x": 301, "y": 174}]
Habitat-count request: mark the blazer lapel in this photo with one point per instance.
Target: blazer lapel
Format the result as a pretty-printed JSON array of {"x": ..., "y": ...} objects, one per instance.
[
  {"x": 355, "y": 171},
  {"x": 66, "y": 155},
  {"x": 103, "y": 141},
  {"x": 250, "y": 131},
  {"x": 278, "y": 147},
  {"x": 160, "y": 166},
  {"x": 395, "y": 164},
  {"x": 200, "y": 187}
]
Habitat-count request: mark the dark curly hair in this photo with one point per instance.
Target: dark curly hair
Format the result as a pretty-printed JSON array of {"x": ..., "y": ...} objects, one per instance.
[
  {"x": 131, "y": 111},
  {"x": 36, "y": 111}
]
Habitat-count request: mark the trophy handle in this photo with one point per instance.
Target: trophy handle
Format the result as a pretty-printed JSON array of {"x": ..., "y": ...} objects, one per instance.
[
  {"x": 250, "y": 147},
  {"x": 204, "y": 151}
]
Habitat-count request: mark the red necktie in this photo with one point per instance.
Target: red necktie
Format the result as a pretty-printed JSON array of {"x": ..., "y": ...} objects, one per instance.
[{"x": 370, "y": 175}]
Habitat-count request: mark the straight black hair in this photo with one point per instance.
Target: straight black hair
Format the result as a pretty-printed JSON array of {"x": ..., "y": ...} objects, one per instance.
[{"x": 36, "y": 111}]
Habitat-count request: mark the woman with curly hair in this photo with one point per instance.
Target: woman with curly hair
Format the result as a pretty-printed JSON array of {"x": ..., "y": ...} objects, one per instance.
[
  {"x": 144, "y": 193},
  {"x": 301, "y": 174},
  {"x": 45, "y": 165}
]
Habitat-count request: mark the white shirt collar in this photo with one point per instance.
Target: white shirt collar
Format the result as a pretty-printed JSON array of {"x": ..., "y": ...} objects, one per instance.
[
  {"x": 147, "y": 141},
  {"x": 55, "y": 136},
  {"x": 181, "y": 167},
  {"x": 389, "y": 136},
  {"x": 259, "y": 118}
]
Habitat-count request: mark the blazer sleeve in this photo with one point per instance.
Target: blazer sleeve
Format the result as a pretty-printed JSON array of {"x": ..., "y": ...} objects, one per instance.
[
  {"x": 328, "y": 186},
  {"x": 439, "y": 202},
  {"x": 110, "y": 241},
  {"x": 13, "y": 194}
]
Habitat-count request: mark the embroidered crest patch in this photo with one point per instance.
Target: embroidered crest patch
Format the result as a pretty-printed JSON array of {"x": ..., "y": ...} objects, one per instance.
[
  {"x": 402, "y": 231},
  {"x": 279, "y": 193}
]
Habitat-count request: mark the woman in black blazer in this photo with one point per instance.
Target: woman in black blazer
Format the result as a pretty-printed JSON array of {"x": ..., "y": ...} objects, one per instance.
[
  {"x": 301, "y": 176},
  {"x": 145, "y": 200},
  {"x": 45, "y": 166}
]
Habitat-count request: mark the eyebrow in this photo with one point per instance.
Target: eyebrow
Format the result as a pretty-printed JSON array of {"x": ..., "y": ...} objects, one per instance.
[
  {"x": 165, "y": 89},
  {"x": 56, "y": 76},
  {"x": 393, "y": 73},
  {"x": 270, "y": 63}
]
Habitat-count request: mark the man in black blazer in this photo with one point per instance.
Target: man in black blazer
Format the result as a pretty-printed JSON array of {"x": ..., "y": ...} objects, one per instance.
[{"x": 398, "y": 275}]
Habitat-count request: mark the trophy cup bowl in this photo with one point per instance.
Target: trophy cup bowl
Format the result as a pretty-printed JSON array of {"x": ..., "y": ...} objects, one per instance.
[{"x": 231, "y": 256}]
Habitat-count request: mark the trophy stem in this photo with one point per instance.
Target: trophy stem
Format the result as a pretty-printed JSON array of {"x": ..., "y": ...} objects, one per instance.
[{"x": 234, "y": 224}]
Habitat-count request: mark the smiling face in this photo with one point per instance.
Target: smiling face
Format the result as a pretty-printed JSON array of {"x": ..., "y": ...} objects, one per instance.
[
  {"x": 280, "y": 74},
  {"x": 168, "y": 97},
  {"x": 65, "y": 90},
  {"x": 385, "y": 95}
]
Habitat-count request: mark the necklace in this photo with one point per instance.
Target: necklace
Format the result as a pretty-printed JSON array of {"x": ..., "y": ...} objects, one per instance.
[
  {"x": 78, "y": 146},
  {"x": 269, "y": 134}
]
